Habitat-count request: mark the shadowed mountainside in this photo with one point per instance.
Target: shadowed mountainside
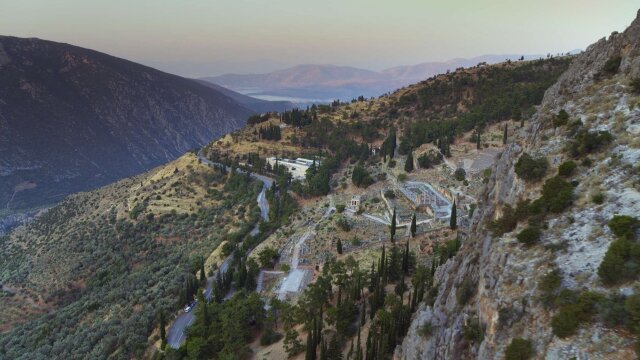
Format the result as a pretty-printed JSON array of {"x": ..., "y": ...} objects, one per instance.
[{"x": 72, "y": 119}]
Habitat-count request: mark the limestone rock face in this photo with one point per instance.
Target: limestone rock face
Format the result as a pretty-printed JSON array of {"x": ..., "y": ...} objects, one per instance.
[{"x": 506, "y": 273}]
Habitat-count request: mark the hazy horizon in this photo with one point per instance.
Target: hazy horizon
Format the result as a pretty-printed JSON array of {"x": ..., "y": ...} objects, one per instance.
[{"x": 203, "y": 38}]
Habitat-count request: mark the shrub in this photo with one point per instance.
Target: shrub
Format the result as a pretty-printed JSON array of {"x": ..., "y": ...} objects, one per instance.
[
  {"x": 472, "y": 331},
  {"x": 632, "y": 307},
  {"x": 269, "y": 336},
  {"x": 340, "y": 208},
  {"x": 425, "y": 330},
  {"x": 459, "y": 174},
  {"x": 531, "y": 169},
  {"x": 567, "y": 168},
  {"x": 389, "y": 194},
  {"x": 561, "y": 119},
  {"x": 624, "y": 226},
  {"x": 564, "y": 324},
  {"x": 557, "y": 194},
  {"x": 343, "y": 224},
  {"x": 612, "y": 65},
  {"x": 612, "y": 310},
  {"x": 635, "y": 85},
  {"x": 360, "y": 177},
  {"x": 621, "y": 262},
  {"x": 402, "y": 177},
  {"x": 576, "y": 310},
  {"x": 549, "y": 285},
  {"x": 392, "y": 164},
  {"x": 465, "y": 291},
  {"x": 519, "y": 349},
  {"x": 529, "y": 235},
  {"x": 597, "y": 198},
  {"x": 586, "y": 142},
  {"x": 430, "y": 159},
  {"x": 510, "y": 218}
]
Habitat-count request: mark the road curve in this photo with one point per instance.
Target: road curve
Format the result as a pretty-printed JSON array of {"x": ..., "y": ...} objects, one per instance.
[{"x": 176, "y": 334}]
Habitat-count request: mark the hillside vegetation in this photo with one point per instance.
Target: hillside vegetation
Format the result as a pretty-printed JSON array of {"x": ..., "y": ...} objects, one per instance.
[{"x": 91, "y": 276}]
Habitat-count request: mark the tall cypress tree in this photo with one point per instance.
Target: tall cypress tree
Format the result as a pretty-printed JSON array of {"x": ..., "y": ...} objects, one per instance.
[
  {"x": 203, "y": 275},
  {"x": 478, "y": 140},
  {"x": 163, "y": 332},
  {"x": 408, "y": 164},
  {"x": 339, "y": 246},
  {"x": 393, "y": 225},
  {"x": 414, "y": 225},
  {"x": 453, "y": 221},
  {"x": 504, "y": 135}
]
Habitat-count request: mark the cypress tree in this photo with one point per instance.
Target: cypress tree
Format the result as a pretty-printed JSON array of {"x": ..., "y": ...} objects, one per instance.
[
  {"x": 504, "y": 135},
  {"x": 413, "y": 225},
  {"x": 405, "y": 259},
  {"x": 453, "y": 220},
  {"x": 408, "y": 164},
  {"x": 307, "y": 355},
  {"x": 339, "y": 246},
  {"x": 393, "y": 225},
  {"x": 203, "y": 275},
  {"x": 163, "y": 332},
  {"x": 478, "y": 140}
]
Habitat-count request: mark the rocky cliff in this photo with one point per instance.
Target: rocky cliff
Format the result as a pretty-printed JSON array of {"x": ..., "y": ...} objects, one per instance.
[
  {"x": 597, "y": 94},
  {"x": 72, "y": 119}
]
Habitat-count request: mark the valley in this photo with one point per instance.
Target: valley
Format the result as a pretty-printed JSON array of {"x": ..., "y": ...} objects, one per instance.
[{"x": 488, "y": 212}]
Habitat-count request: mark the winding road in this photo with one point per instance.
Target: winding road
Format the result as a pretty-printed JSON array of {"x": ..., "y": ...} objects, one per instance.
[{"x": 176, "y": 333}]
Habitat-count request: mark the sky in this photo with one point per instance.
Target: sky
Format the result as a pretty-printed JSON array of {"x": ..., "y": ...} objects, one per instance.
[{"x": 212, "y": 37}]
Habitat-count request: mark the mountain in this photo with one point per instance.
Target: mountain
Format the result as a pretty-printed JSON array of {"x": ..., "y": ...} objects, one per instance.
[
  {"x": 325, "y": 83},
  {"x": 255, "y": 104},
  {"x": 73, "y": 119},
  {"x": 550, "y": 265}
]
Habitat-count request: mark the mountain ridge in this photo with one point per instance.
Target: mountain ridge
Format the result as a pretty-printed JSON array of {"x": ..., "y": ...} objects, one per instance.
[
  {"x": 315, "y": 81},
  {"x": 96, "y": 118}
]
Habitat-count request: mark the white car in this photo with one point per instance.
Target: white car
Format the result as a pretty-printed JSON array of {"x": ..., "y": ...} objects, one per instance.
[{"x": 187, "y": 308}]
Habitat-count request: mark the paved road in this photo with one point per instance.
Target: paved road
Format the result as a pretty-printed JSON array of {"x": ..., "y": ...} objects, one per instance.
[{"x": 176, "y": 334}]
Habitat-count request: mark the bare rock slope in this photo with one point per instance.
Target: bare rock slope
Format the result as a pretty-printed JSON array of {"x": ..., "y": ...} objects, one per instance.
[{"x": 504, "y": 274}]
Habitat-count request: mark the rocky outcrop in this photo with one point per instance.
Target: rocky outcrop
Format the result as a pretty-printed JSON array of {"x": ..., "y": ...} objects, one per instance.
[
  {"x": 73, "y": 119},
  {"x": 506, "y": 274}
]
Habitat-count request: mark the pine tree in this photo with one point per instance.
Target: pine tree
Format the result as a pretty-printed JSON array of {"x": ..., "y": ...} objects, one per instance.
[
  {"x": 504, "y": 135},
  {"x": 339, "y": 246},
  {"x": 478, "y": 140},
  {"x": 453, "y": 221},
  {"x": 408, "y": 164},
  {"x": 393, "y": 225},
  {"x": 413, "y": 225}
]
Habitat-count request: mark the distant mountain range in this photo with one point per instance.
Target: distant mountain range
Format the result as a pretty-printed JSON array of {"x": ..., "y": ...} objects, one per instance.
[
  {"x": 73, "y": 119},
  {"x": 308, "y": 83}
]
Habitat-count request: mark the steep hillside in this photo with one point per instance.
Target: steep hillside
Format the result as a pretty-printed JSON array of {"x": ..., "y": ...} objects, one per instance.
[
  {"x": 90, "y": 277},
  {"x": 73, "y": 119},
  {"x": 550, "y": 269}
]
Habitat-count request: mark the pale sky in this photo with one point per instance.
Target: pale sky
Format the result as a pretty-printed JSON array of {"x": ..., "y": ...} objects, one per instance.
[{"x": 211, "y": 37}]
